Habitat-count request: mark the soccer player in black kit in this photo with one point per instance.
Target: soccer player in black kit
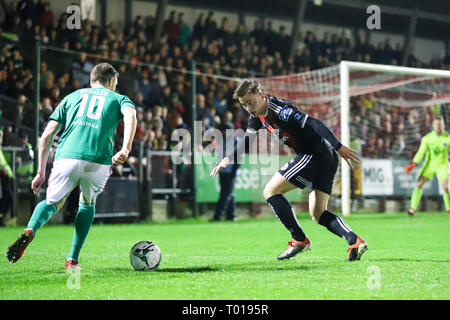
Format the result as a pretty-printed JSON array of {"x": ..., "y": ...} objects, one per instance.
[{"x": 314, "y": 166}]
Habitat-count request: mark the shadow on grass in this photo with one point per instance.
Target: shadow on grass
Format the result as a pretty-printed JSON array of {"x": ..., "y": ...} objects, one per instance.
[
  {"x": 37, "y": 271},
  {"x": 253, "y": 267},
  {"x": 409, "y": 260},
  {"x": 396, "y": 216},
  {"x": 283, "y": 266},
  {"x": 188, "y": 269},
  {"x": 233, "y": 268},
  {"x": 162, "y": 269}
]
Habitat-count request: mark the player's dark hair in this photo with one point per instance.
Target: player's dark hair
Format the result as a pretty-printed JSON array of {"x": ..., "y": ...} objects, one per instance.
[
  {"x": 438, "y": 118},
  {"x": 102, "y": 72},
  {"x": 246, "y": 86}
]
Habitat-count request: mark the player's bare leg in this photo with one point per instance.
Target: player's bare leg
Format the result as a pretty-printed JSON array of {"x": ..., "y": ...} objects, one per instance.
[
  {"x": 318, "y": 202},
  {"x": 277, "y": 185},
  {"x": 274, "y": 195},
  {"x": 416, "y": 195}
]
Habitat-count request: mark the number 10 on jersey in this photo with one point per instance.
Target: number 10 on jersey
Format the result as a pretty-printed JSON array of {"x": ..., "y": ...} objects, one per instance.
[{"x": 95, "y": 100}]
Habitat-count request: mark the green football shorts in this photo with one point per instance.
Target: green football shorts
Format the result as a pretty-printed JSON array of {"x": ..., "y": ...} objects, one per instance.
[{"x": 429, "y": 170}]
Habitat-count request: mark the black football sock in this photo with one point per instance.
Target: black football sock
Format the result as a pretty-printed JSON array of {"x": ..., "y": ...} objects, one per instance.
[
  {"x": 285, "y": 213},
  {"x": 337, "y": 226}
]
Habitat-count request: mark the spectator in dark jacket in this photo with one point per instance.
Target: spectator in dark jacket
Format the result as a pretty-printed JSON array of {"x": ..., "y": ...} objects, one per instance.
[
  {"x": 210, "y": 26},
  {"x": 226, "y": 205},
  {"x": 172, "y": 28},
  {"x": 27, "y": 10},
  {"x": 44, "y": 19},
  {"x": 199, "y": 27}
]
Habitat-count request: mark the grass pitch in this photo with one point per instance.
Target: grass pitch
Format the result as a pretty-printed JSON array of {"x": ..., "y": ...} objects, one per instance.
[{"x": 408, "y": 258}]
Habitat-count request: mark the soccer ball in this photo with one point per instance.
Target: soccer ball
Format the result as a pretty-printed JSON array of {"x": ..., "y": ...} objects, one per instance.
[{"x": 145, "y": 256}]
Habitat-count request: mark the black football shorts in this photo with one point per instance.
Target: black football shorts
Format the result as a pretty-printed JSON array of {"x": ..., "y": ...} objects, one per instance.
[{"x": 312, "y": 171}]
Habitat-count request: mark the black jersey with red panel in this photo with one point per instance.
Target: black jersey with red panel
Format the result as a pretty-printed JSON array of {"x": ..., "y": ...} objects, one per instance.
[{"x": 297, "y": 129}]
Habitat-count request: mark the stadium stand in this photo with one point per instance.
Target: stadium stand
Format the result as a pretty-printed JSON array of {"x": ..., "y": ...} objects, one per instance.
[{"x": 162, "y": 88}]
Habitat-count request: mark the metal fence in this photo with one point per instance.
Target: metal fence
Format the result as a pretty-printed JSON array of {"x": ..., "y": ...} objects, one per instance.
[
  {"x": 19, "y": 184},
  {"x": 163, "y": 177}
]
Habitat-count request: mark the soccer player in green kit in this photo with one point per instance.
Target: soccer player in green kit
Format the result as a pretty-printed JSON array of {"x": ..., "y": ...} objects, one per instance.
[
  {"x": 434, "y": 147},
  {"x": 84, "y": 156}
]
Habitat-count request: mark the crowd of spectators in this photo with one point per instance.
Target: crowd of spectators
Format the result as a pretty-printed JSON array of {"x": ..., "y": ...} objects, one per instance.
[
  {"x": 382, "y": 131},
  {"x": 163, "y": 94}
]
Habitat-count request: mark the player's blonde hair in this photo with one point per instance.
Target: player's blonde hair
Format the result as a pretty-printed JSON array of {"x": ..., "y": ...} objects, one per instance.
[{"x": 245, "y": 87}]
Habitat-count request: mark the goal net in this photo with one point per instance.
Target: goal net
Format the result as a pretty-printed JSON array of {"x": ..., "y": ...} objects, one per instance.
[{"x": 380, "y": 110}]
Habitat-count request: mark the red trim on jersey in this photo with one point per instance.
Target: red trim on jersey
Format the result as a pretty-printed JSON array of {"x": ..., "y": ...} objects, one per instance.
[{"x": 269, "y": 127}]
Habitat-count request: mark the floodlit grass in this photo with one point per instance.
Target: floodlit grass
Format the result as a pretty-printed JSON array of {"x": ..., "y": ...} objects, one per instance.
[{"x": 408, "y": 258}]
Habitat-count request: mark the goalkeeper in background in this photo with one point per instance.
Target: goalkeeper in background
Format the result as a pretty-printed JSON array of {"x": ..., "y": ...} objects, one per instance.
[{"x": 434, "y": 146}]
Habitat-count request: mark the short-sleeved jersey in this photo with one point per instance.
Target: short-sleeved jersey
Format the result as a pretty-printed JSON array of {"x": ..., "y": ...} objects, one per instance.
[
  {"x": 304, "y": 134},
  {"x": 435, "y": 149},
  {"x": 90, "y": 117}
]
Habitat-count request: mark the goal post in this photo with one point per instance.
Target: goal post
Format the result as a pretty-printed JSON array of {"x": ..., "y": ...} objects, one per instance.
[
  {"x": 333, "y": 94},
  {"x": 345, "y": 135},
  {"x": 435, "y": 84}
]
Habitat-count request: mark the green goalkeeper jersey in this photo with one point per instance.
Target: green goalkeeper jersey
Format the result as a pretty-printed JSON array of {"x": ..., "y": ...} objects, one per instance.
[
  {"x": 434, "y": 148},
  {"x": 90, "y": 117}
]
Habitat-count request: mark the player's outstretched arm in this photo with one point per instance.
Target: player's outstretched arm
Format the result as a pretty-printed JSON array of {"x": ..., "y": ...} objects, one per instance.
[
  {"x": 410, "y": 166},
  {"x": 129, "y": 120},
  {"x": 249, "y": 135},
  {"x": 348, "y": 154},
  {"x": 44, "y": 147},
  {"x": 322, "y": 130},
  {"x": 223, "y": 164},
  {"x": 418, "y": 156}
]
